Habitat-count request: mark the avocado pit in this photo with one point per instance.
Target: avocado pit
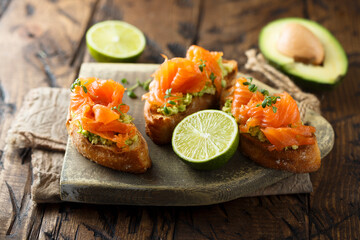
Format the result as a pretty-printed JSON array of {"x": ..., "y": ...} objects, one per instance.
[{"x": 299, "y": 43}]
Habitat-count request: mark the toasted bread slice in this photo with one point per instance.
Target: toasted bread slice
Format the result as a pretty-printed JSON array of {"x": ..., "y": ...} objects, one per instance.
[
  {"x": 302, "y": 160},
  {"x": 160, "y": 127},
  {"x": 135, "y": 159}
]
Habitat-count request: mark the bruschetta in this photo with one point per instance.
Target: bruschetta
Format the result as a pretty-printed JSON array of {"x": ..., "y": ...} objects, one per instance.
[
  {"x": 271, "y": 131},
  {"x": 182, "y": 86},
  {"x": 100, "y": 128}
]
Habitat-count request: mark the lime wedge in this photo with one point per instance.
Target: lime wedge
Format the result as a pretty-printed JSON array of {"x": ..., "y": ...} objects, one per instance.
[
  {"x": 206, "y": 140},
  {"x": 115, "y": 41}
]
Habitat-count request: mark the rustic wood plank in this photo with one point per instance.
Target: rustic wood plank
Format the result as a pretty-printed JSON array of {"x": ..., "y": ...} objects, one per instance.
[
  {"x": 275, "y": 217},
  {"x": 335, "y": 202},
  {"x": 38, "y": 42},
  {"x": 240, "y": 23}
]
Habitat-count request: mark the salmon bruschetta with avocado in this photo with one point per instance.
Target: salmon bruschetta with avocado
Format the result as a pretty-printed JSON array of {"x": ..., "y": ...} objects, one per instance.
[
  {"x": 100, "y": 128},
  {"x": 182, "y": 86},
  {"x": 271, "y": 131}
]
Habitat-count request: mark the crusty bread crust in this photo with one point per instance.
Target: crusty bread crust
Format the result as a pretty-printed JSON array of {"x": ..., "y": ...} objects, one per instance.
[
  {"x": 160, "y": 127},
  {"x": 302, "y": 160},
  {"x": 134, "y": 160}
]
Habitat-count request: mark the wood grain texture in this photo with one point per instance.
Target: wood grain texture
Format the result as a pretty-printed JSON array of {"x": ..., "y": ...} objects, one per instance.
[
  {"x": 335, "y": 203},
  {"x": 43, "y": 45},
  {"x": 240, "y": 23},
  {"x": 169, "y": 26},
  {"x": 34, "y": 53}
]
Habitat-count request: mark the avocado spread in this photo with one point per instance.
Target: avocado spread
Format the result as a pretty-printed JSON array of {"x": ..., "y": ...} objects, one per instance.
[
  {"x": 225, "y": 67},
  {"x": 256, "y": 132},
  {"x": 93, "y": 138},
  {"x": 185, "y": 101},
  {"x": 125, "y": 118},
  {"x": 131, "y": 140},
  {"x": 96, "y": 139},
  {"x": 227, "y": 107}
]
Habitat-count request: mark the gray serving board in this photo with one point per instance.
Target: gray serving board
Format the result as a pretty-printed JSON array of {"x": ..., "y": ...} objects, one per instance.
[{"x": 169, "y": 182}]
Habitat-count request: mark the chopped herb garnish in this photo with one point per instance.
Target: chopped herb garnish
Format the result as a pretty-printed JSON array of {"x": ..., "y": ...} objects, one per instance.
[
  {"x": 131, "y": 94},
  {"x": 130, "y": 91},
  {"x": 270, "y": 100},
  {"x": 212, "y": 77},
  {"x": 146, "y": 84},
  {"x": 264, "y": 92},
  {"x": 202, "y": 65},
  {"x": 76, "y": 83},
  {"x": 223, "y": 83},
  {"x": 124, "y": 80},
  {"x": 172, "y": 102},
  {"x": 117, "y": 108},
  {"x": 252, "y": 88},
  {"x": 166, "y": 110},
  {"x": 264, "y": 104},
  {"x": 168, "y": 93},
  {"x": 248, "y": 83}
]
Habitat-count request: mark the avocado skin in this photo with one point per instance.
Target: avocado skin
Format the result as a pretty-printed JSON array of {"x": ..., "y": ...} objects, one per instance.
[
  {"x": 304, "y": 83},
  {"x": 308, "y": 84}
]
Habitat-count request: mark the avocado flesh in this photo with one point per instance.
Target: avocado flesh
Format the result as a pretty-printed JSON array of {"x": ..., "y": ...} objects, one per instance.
[{"x": 335, "y": 63}]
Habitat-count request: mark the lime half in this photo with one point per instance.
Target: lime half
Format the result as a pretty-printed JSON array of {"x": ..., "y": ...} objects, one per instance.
[
  {"x": 206, "y": 140},
  {"x": 115, "y": 41}
]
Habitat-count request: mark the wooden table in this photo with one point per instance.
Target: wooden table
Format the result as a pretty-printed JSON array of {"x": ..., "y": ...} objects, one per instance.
[{"x": 42, "y": 44}]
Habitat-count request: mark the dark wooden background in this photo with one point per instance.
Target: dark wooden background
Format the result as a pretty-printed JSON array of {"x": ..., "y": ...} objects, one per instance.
[{"x": 42, "y": 44}]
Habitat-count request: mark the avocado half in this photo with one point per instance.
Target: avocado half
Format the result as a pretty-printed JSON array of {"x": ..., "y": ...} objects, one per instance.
[{"x": 327, "y": 75}]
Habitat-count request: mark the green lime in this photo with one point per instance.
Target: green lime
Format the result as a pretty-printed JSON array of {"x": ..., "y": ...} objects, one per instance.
[
  {"x": 206, "y": 140},
  {"x": 115, "y": 41}
]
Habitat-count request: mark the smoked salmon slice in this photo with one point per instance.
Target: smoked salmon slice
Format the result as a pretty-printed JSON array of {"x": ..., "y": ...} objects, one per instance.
[
  {"x": 179, "y": 74},
  {"x": 279, "y": 121},
  {"x": 185, "y": 75},
  {"x": 210, "y": 61},
  {"x": 97, "y": 105}
]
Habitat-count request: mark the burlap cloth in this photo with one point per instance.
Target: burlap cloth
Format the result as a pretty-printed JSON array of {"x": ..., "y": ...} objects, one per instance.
[{"x": 40, "y": 125}]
